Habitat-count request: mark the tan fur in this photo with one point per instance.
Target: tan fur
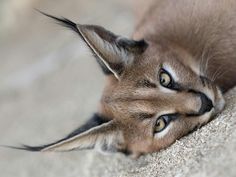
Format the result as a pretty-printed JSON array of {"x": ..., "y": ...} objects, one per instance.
[{"x": 189, "y": 39}]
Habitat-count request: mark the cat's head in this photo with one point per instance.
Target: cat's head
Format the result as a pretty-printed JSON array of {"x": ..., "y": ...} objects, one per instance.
[
  {"x": 155, "y": 94},
  {"x": 160, "y": 95}
]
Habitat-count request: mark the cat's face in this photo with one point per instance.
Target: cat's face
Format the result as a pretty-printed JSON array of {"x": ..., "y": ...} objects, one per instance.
[{"x": 161, "y": 97}]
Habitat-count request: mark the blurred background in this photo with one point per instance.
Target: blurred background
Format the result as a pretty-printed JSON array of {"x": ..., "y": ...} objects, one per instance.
[{"x": 49, "y": 84}]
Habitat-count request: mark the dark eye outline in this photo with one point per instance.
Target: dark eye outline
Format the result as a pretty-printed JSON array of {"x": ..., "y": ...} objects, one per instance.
[
  {"x": 171, "y": 84},
  {"x": 167, "y": 119}
]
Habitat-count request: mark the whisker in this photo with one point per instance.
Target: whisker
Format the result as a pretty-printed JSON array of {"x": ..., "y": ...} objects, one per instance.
[
  {"x": 216, "y": 72},
  {"x": 221, "y": 74},
  {"x": 202, "y": 59}
]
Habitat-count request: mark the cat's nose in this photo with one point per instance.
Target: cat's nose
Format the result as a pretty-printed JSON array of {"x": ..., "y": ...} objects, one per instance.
[{"x": 206, "y": 104}]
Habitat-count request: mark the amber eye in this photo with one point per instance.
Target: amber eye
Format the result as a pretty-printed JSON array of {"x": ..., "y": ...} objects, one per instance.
[
  {"x": 160, "y": 124},
  {"x": 165, "y": 79}
]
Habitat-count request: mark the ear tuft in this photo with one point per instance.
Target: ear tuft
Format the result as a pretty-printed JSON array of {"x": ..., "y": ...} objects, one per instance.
[{"x": 62, "y": 21}]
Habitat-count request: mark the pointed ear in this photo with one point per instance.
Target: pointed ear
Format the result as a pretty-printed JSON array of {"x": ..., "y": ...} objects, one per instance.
[
  {"x": 106, "y": 138},
  {"x": 113, "y": 52}
]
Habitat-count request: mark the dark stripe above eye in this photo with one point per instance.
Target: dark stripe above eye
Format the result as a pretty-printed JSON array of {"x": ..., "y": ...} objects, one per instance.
[
  {"x": 177, "y": 87},
  {"x": 146, "y": 84},
  {"x": 143, "y": 116}
]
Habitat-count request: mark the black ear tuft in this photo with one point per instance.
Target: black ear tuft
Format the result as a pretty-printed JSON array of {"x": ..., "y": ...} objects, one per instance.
[
  {"x": 27, "y": 148},
  {"x": 62, "y": 21}
]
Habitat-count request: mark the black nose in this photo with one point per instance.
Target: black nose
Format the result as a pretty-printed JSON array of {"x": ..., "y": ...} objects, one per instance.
[{"x": 206, "y": 104}]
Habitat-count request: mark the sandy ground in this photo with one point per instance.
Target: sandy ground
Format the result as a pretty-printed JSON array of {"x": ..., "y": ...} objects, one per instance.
[{"x": 50, "y": 85}]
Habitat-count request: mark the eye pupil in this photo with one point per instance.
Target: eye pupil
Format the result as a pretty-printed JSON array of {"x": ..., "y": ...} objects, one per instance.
[{"x": 165, "y": 79}]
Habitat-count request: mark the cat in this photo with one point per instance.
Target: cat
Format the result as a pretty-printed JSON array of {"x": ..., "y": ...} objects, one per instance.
[{"x": 164, "y": 82}]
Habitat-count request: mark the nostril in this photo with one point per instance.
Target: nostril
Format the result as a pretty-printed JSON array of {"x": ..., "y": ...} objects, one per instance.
[{"x": 206, "y": 104}]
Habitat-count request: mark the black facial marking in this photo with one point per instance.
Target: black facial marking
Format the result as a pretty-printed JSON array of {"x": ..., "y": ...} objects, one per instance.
[
  {"x": 176, "y": 86},
  {"x": 96, "y": 120},
  {"x": 146, "y": 83},
  {"x": 203, "y": 81},
  {"x": 143, "y": 116}
]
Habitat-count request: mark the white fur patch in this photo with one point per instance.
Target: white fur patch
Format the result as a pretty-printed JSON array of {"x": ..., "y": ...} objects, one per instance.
[{"x": 166, "y": 90}]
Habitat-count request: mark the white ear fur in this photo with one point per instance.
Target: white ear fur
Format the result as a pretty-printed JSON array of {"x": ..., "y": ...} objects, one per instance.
[
  {"x": 105, "y": 137},
  {"x": 108, "y": 52}
]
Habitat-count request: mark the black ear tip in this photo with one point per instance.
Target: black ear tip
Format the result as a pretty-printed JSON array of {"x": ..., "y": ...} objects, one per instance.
[
  {"x": 62, "y": 21},
  {"x": 25, "y": 147},
  {"x": 32, "y": 148}
]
